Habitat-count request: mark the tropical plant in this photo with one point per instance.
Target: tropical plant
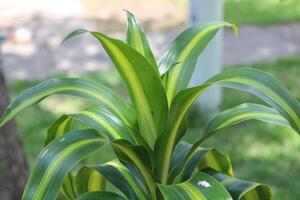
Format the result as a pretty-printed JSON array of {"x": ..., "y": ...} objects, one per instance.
[{"x": 150, "y": 161}]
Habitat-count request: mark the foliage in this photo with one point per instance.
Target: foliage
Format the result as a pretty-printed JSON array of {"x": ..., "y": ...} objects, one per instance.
[{"x": 151, "y": 161}]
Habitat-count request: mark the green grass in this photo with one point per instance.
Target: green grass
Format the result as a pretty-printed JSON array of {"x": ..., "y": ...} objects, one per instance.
[
  {"x": 259, "y": 152},
  {"x": 262, "y": 11}
]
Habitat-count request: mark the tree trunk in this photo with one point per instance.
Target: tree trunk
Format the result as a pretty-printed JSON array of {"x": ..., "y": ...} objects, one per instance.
[{"x": 13, "y": 166}]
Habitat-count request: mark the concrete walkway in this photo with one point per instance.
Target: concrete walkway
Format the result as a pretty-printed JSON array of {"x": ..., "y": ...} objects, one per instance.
[
  {"x": 256, "y": 44},
  {"x": 43, "y": 56}
]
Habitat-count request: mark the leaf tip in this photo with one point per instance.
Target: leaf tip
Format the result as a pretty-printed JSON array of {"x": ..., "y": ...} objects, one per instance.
[
  {"x": 235, "y": 30},
  {"x": 128, "y": 12},
  {"x": 73, "y": 34},
  {"x": 2, "y": 120}
]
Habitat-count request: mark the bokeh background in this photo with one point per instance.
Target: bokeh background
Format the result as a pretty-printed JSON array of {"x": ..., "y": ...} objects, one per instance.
[{"x": 269, "y": 40}]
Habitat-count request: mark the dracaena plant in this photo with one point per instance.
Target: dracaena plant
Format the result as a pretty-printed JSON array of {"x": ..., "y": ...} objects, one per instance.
[{"x": 151, "y": 162}]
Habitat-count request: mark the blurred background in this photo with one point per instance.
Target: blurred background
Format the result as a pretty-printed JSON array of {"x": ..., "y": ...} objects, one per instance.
[{"x": 31, "y": 32}]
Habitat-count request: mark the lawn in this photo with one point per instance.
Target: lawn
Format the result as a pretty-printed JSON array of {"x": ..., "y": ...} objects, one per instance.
[
  {"x": 262, "y": 11},
  {"x": 259, "y": 152}
]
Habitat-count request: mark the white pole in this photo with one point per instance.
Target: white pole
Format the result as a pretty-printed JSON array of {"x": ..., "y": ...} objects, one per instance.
[{"x": 210, "y": 62}]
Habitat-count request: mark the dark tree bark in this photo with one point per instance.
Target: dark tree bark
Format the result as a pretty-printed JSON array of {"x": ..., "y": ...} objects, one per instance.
[{"x": 13, "y": 165}]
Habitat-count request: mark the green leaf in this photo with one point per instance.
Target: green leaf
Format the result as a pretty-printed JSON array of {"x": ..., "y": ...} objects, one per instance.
[
  {"x": 68, "y": 188},
  {"x": 265, "y": 87},
  {"x": 106, "y": 122},
  {"x": 56, "y": 160},
  {"x": 212, "y": 159},
  {"x": 88, "y": 180},
  {"x": 73, "y": 34},
  {"x": 144, "y": 84},
  {"x": 242, "y": 190},
  {"x": 139, "y": 157},
  {"x": 175, "y": 129},
  {"x": 249, "y": 80},
  {"x": 99, "y": 118},
  {"x": 132, "y": 153},
  {"x": 202, "y": 158},
  {"x": 71, "y": 86},
  {"x": 200, "y": 186},
  {"x": 243, "y": 112},
  {"x": 100, "y": 196},
  {"x": 178, "y": 157},
  {"x": 126, "y": 181},
  {"x": 240, "y": 113},
  {"x": 136, "y": 38},
  {"x": 61, "y": 126},
  {"x": 184, "y": 51}
]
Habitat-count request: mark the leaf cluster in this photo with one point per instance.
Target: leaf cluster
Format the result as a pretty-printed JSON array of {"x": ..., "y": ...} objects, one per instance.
[{"x": 152, "y": 162}]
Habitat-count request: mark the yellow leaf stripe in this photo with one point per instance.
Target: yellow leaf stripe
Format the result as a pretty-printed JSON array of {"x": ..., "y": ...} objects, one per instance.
[
  {"x": 278, "y": 99},
  {"x": 37, "y": 93},
  {"x": 129, "y": 178},
  {"x": 136, "y": 38},
  {"x": 176, "y": 72},
  {"x": 103, "y": 123},
  {"x": 57, "y": 159},
  {"x": 140, "y": 166},
  {"x": 249, "y": 116},
  {"x": 200, "y": 186},
  {"x": 145, "y": 117},
  {"x": 172, "y": 134}
]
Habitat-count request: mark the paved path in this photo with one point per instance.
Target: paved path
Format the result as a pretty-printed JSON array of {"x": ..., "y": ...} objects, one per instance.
[
  {"x": 256, "y": 44},
  {"x": 43, "y": 56}
]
